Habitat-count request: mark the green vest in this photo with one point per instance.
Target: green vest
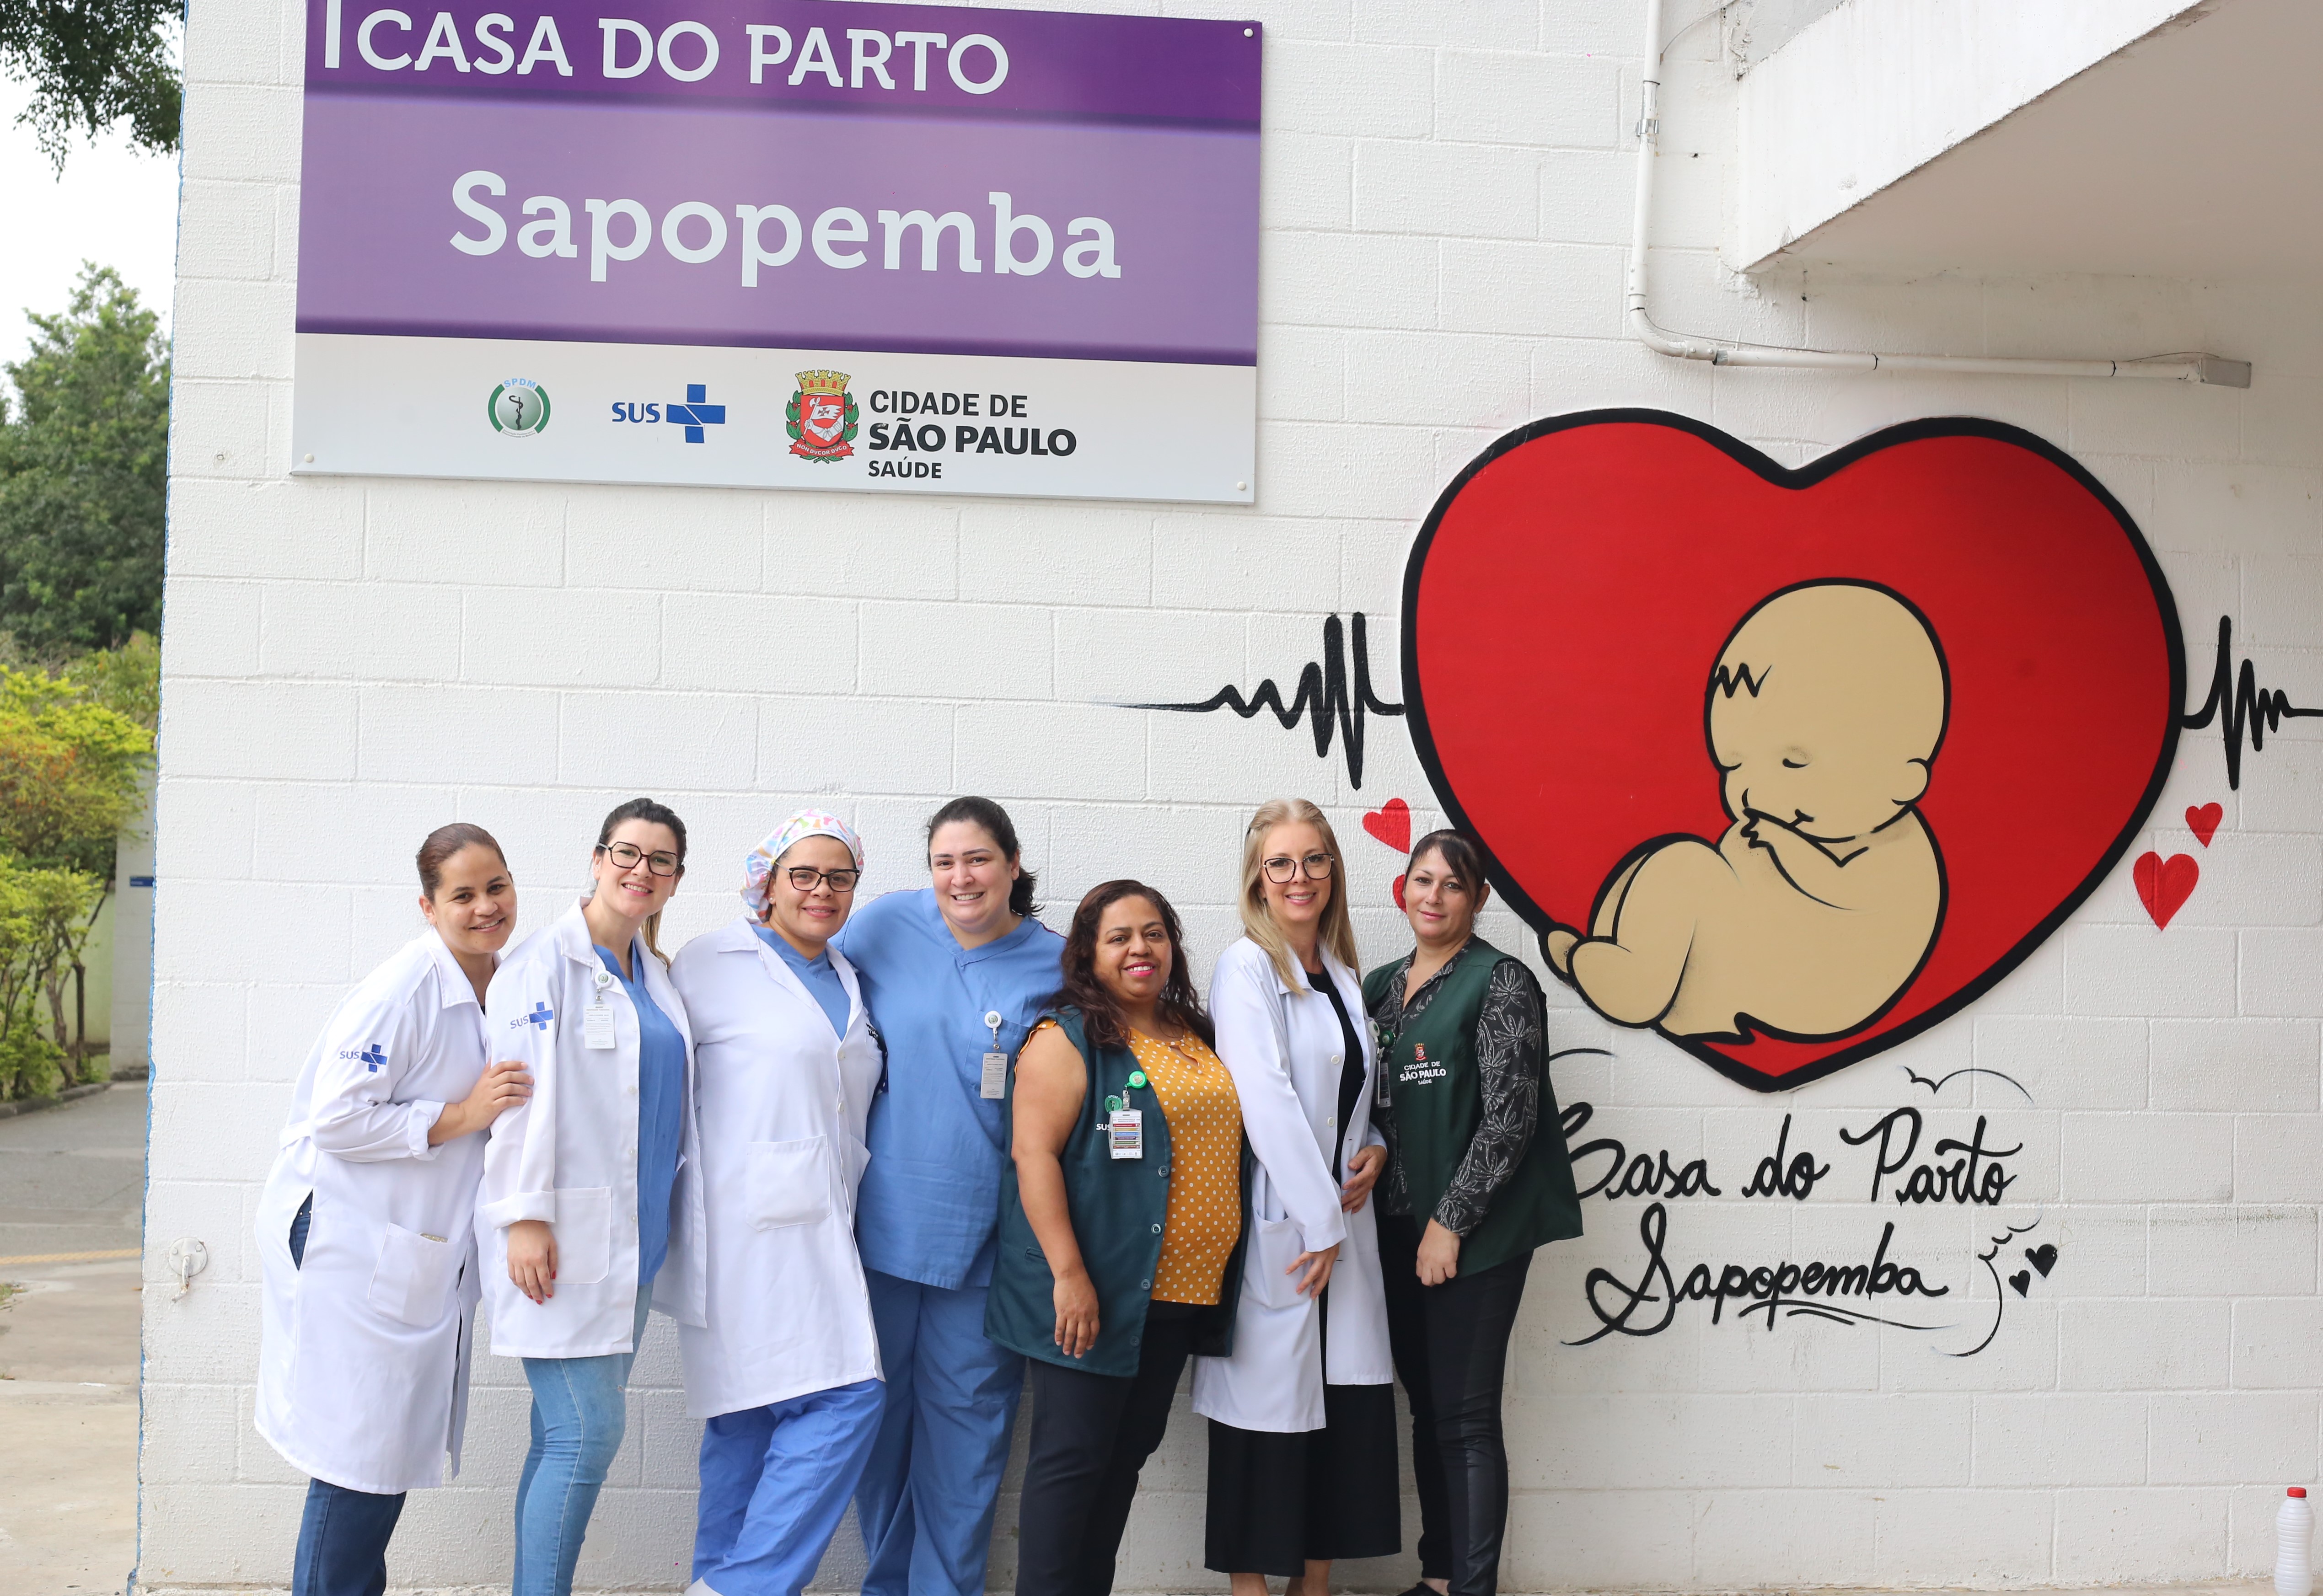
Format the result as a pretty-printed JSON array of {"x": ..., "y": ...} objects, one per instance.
[
  {"x": 1119, "y": 1206},
  {"x": 1437, "y": 1099}
]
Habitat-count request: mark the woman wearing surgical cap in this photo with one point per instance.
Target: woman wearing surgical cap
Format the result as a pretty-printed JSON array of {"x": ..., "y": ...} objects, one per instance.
[
  {"x": 786, "y": 1369},
  {"x": 956, "y": 974}
]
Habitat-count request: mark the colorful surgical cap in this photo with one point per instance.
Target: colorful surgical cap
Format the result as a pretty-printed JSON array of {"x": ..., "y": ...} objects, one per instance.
[{"x": 805, "y": 823}]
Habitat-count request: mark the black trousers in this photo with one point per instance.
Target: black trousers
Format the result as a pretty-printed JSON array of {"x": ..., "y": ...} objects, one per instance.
[
  {"x": 1451, "y": 1347},
  {"x": 1091, "y": 1434}
]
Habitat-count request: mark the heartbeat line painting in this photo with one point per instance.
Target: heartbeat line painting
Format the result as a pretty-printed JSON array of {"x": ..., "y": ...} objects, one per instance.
[{"x": 1325, "y": 698}]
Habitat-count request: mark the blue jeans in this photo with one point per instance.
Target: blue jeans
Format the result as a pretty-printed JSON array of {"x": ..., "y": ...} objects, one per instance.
[
  {"x": 775, "y": 1485},
  {"x": 579, "y": 1406},
  {"x": 342, "y": 1539}
]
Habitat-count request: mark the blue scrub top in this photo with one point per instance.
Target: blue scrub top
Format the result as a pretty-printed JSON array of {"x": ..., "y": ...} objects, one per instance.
[
  {"x": 929, "y": 1204},
  {"x": 820, "y": 979},
  {"x": 661, "y": 1107}
]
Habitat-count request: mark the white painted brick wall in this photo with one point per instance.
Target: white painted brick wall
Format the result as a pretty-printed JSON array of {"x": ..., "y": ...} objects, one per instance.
[{"x": 1445, "y": 192}]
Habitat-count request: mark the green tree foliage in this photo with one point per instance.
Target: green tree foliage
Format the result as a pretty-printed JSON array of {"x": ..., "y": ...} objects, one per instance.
[
  {"x": 45, "y": 920},
  {"x": 83, "y": 473},
  {"x": 93, "y": 63},
  {"x": 126, "y": 679},
  {"x": 69, "y": 773},
  {"x": 74, "y": 749}
]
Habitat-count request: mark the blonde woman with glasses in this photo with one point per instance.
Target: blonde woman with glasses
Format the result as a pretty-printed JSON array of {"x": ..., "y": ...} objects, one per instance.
[{"x": 1302, "y": 1415}]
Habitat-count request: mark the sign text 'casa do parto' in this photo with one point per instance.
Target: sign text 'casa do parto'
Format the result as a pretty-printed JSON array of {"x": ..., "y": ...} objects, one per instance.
[{"x": 788, "y": 244}]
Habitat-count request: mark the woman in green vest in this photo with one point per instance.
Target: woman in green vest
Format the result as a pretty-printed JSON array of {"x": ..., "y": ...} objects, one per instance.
[
  {"x": 1477, "y": 1177},
  {"x": 1120, "y": 1227}
]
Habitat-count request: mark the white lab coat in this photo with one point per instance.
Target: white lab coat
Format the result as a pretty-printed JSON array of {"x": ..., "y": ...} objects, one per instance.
[
  {"x": 362, "y": 1363},
  {"x": 783, "y": 1104},
  {"x": 1285, "y": 1049},
  {"x": 570, "y": 1154}
]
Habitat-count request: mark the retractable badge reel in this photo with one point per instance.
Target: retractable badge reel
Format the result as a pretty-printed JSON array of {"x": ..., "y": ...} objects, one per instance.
[
  {"x": 1125, "y": 1126},
  {"x": 597, "y": 1027},
  {"x": 996, "y": 1062}
]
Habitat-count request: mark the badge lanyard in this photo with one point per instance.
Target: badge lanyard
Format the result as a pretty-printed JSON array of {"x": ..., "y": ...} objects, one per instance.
[
  {"x": 597, "y": 1027},
  {"x": 996, "y": 1062}
]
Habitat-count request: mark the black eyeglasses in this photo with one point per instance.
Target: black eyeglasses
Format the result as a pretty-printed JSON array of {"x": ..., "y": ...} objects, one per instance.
[
  {"x": 806, "y": 878},
  {"x": 627, "y": 856},
  {"x": 1315, "y": 866}
]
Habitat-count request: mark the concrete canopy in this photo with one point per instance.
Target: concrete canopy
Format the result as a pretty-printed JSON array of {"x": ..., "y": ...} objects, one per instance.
[{"x": 1889, "y": 135}]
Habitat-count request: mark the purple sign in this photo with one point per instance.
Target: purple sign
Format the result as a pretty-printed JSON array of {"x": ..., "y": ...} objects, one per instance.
[{"x": 810, "y": 174}]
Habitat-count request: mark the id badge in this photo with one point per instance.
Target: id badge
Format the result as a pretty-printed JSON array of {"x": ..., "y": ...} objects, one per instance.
[
  {"x": 995, "y": 1076},
  {"x": 1125, "y": 1131},
  {"x": 597, "y": 1027}
]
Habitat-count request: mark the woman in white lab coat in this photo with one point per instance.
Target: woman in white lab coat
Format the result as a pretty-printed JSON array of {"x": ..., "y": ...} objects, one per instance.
[
  {"x": 1302, "y": 1416},
  {"x": 582, "y": 1197},
  {"x": 787, "y": 1369},
  {"x": 363, "y": 1232}
]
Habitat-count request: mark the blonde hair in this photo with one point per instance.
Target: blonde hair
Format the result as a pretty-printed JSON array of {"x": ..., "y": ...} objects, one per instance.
[{"x": 1337, "y": 932}]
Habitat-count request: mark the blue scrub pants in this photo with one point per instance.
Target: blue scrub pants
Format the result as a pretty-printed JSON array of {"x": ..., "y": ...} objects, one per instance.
[
  {"x": 775, "y": 1484},
  {"x": 579, "y": 1406},
  {"x": 927, "y": 1498}
]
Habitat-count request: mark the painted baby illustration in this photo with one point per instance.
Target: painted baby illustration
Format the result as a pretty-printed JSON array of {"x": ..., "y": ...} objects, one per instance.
[{"x": 1818, "y": 905}]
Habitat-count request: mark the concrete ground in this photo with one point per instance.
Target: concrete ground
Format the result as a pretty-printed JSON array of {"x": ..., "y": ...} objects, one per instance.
[{"x": 72, "y": 1185}]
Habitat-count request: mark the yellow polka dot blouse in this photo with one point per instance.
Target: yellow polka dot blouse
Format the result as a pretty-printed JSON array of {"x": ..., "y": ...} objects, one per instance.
[{"x": 1205, "y": 1216}]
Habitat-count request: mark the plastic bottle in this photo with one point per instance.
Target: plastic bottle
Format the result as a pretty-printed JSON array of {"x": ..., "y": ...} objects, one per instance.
[{"x": 2295, "y": 1534}]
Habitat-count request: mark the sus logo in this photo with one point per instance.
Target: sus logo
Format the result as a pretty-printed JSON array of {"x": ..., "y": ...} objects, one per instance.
[{"x": 821, "y": 417}]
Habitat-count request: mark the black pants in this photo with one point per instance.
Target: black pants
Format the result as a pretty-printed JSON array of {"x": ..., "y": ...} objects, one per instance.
[
  {"x": 1451, "y": 1348},
  {"x": 1091, "y": 1434}
]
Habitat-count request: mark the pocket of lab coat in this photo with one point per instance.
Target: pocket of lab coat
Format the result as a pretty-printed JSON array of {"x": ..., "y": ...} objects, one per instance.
[
  {"x": 1273, "y": 1250},
  {"x": 789, "y": 1183},
  {"x": 583, "y": 1230},
  {"x": 412, "y": 1280}
]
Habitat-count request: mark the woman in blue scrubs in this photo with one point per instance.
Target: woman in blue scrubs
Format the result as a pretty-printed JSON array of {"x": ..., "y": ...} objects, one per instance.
[{"x": 955, "y": 975}]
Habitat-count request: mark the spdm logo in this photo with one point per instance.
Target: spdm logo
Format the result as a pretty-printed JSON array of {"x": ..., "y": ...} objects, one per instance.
[
  {"x": 519, "y": 409},
  {"x": 821, "y": 417}
]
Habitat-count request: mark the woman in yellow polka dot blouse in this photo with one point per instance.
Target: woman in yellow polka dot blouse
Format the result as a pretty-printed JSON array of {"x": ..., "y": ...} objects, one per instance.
[{"x": 1120, "y": 1227}]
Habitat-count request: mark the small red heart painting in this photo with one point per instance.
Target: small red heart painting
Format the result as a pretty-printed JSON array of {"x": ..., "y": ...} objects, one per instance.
[
  {"x": 1789, "y": 764},
  {"x": 2164, "y": 885},
  {"x": 1391, "y": 823},
  {"x": 2203, "y": 819},
  {"x": 1396, "y": 887}
]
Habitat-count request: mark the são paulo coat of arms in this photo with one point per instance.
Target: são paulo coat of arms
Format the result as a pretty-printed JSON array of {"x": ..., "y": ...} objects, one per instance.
[{"x": 821, "y": 417}]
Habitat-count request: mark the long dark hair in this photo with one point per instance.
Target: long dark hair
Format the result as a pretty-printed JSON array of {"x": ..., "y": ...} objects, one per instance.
[
  {"x": 445, "y": 841},
  {"x": 1101, "y": 1017},
  {"x": 994, "y": 820},
  {"x": 659, "y": 814}
]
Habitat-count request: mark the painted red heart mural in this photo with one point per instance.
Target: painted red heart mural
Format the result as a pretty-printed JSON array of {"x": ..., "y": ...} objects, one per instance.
[{"x": 1788, "y": 765}]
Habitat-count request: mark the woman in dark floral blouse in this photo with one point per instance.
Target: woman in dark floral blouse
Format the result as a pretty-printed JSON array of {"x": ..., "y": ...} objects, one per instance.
[{"x": 1477, "y": 1177}]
